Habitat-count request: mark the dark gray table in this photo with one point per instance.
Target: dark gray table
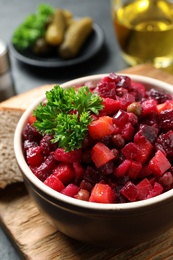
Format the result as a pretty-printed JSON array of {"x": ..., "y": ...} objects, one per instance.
[{"x": 12, "y": 13}]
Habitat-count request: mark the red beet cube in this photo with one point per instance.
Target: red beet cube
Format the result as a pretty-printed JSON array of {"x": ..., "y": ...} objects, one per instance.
[
  {"x": 120, "y": 118},
  {"x": 79, "y": 170},
  {"x": 129, "y": 191},
  {"x": 111, "y": 106},
  {"x": 133, "y": 119},
  {"x": 157, "y": 190},
  {"x": 130, "y": 151},
  {"x": 34, "y": 156},
  {"x": 166, "y": 180},
  {"x": 126, "y": 100},
  {"x": 139, "y": 89},
  {"x": 144, "y": 146},
  {"x": 134, "y": 169},
  {"x": 53, "y": 182},
  {"x": 144, "y": 187},
  {"x": 101, "y": 127},
  {"x": 70, "y": 190},
  {"x": 101, "y": 193},
  {"x": 68, "y": 157},
  {"x": 64, "y": 172},
  {"x": 149, "y": 106},
  {"x": 122, "y": 169},
  {"x": 127, "y": 132},
  {"x": 101, "y": 154},
  {"x": 145, "y": 172},
  {"x": 165, "y": 119},
  {"x": 159, "y": 164}
]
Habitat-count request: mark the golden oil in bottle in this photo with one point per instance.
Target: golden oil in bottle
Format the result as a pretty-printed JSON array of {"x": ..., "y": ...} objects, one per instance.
[{"x": 144, "y": 30}]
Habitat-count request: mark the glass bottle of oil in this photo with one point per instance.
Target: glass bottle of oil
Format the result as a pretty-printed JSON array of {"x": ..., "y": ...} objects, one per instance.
[{"x": 144, "y": 30}]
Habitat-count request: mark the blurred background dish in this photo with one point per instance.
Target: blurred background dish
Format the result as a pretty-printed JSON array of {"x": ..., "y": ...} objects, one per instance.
[{"x": 90, "y": 48}]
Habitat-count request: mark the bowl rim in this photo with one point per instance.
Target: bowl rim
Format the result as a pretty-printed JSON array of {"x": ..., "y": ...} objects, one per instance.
[{"x": 63, "y": 198}]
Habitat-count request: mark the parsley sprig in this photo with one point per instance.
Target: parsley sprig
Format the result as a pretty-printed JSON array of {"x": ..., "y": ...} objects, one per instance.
[{"x": 67, "y": 114}]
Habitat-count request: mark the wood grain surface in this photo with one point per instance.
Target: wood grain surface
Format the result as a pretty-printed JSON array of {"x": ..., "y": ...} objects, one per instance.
[{"x": 36, "y": 239}]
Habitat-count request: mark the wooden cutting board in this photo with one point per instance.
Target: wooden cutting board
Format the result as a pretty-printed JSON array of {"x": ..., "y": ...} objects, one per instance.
[{"x": 36, "y": 239}]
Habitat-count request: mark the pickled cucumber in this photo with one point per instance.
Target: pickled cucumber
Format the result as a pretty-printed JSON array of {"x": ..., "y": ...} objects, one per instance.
[
  {"x": 75, "y": 36},
  {"x": 56, "y": 29}
]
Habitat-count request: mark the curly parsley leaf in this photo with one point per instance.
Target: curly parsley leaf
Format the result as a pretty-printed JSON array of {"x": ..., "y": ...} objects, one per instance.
[
  {"x": 32, "y": 28},
  {"x": 67, "y": 114}
]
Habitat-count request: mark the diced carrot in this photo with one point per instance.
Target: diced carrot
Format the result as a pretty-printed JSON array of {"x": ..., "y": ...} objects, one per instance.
[
  {"x": 31, "y": 119},
  {"x": 101, "y": 154},
  {"x": 101, "y": 193},
  {"x": 165, "y": 106},
  {"x": 101, "y": 127}
]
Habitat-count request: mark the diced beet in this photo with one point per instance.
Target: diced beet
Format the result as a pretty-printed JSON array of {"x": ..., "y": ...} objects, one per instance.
[
  {"x": 91, "y": 175},
  {"x": 149, "y": 119},
  {"x": 53, "y": 182},
  {"x": 149, "y": 106},
  {"x": 107, "y": 168},
  {"x": 134, "y": 169},
  {"x": 101, "y": 193},
  {"x": 124, "y": 82},
  {"x": 144, "y": 187},
  {"x": 126, "y": 100},
  {"x": 157, "y": 190},
  {"x": 159, "y": 95},
  {"x": 30, "y": 133},
  {"x": 165, "y": 119},
  {"x": 106, "y": 90},
  {"x": 111, "y": 106},
  {"x": 166, "y": 180},
  {"x": 101, "y": 154},
  {"x": 68, "y": 157},
  {"x": 120, "y": 80},
  {"x": 45, "y": 169},
  {"x": 28, "y": 144},
  {"x": 120, "y": 118},
  {"x": 138, "y": 90},
  {"x": 86, "y": 156},
  {"x": 34, "y": 156},
  {"x": 130, "y": 150},
  {"x": 159, "y": 163},
  {"x": 133, "y": 119},
  {"x": 150, "y": 132},
  {"x": 128, "y": 132},
  {"x": 122, "y": 169},
  {"x": 145, "y": 172},
  {"x": 144, "y": 146},
  {"x": 129, "y": 191},
  {"x": 64, "y": 172},
  {"x": 79, "y": 170},
  {"x": 164, "y": 142},
  {"x": 101, "y": 127},
  {"x": 46, "y": 145},
  {"x": 70, "y": 190}
]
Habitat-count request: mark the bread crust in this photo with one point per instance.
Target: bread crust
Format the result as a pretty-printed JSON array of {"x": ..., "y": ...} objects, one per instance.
[{"x": 10, "y": 112}]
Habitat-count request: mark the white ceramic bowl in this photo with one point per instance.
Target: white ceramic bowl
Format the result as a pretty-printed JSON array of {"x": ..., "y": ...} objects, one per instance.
[{"x": 117, "y": 225}]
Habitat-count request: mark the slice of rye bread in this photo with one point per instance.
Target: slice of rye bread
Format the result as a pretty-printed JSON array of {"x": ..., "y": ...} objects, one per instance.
[{"x": 10, "y": 113}]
